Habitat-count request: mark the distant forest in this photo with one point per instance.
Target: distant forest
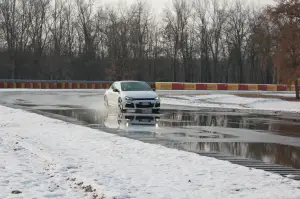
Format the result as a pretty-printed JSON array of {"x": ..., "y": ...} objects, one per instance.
[{"x": 192, "y": 41}]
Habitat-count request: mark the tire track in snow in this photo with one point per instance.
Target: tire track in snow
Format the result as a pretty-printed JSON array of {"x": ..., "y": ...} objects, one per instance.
[{"x": 57, "y": 180}]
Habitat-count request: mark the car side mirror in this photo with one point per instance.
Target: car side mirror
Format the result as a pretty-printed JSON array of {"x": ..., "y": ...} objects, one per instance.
[
  {"x": 153, "y": 89},
  {"x": 116, "y": 90}
]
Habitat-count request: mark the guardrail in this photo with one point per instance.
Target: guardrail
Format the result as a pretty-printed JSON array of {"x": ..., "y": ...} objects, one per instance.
[
  {"x": 70, "y": 84},
  {"x": 222, "y": 86},
  {"x": 54, "y": 84}
]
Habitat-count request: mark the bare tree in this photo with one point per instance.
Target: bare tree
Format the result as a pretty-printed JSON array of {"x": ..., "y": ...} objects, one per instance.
[
  {"x": 139, "y": 36},
  {"x": 218, "y": 15},
  {"x": 176, "y": 31},
  {"x": 38, "y": 31},
  {"x": 202, "y": 39},
  {"x": 237, "y": 32},
  {"x": 199, "y": 40},
  {"x": 118, "y": 34},
  {"x": 70, "y": 35},
  {"x": 8, "y": 10},
  {"x": 154, "y": 51},
  {"x": 86, "y": 27}
]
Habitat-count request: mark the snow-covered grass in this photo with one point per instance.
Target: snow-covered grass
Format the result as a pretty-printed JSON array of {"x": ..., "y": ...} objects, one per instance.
[
  {"x": 232, "y": 101},
  {"x": 48, "y": 158}
]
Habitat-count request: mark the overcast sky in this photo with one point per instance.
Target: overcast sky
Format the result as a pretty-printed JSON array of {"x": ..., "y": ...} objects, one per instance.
[{"x": 158, "y": 5}]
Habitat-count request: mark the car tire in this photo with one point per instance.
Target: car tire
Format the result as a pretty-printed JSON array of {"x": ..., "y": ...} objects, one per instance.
[
  {"x": 106, "y": 101},
  {"x": 121, "y": 106}
]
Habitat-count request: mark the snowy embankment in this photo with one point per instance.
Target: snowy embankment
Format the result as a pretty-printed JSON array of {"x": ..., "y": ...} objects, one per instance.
[
  {"x": 47, "y": 158},
  {"x": 233, "y": 102}
]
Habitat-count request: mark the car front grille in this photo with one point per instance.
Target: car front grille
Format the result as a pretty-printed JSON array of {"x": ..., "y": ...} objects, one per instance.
[
  {"x": 143, "y": 118},
  {"x": 141, "y": 99},
  {"x": 140, "y": 105}
]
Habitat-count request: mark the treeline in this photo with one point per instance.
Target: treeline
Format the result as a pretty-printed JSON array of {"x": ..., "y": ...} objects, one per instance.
[{"x": 199, "y": 41}]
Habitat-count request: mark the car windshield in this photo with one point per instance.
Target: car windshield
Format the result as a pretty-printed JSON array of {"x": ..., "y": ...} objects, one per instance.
[{"x": 135, "y": 86}]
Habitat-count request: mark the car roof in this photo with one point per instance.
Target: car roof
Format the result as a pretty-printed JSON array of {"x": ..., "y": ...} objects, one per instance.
[{"x": 123, "y": 81}]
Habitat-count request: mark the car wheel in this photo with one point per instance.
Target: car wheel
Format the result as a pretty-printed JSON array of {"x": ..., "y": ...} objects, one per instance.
[
  {"x": 106, "y": 101},
  {"x": 121, "y": 105}
]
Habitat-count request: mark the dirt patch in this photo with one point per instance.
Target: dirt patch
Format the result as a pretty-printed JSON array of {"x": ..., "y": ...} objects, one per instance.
[
  {"x": 86, "y": 188},
  {"x": 255, "y": 95},
  {"x": 16, "y": 192}
]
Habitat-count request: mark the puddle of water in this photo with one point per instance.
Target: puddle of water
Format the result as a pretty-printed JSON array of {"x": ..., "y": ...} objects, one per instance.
[
  {"x": 25, "y": 104},
  {"x": 271, "y": 124},
  {"x": 202, "y": 134},
  {"x": 270, "y": 153},
  {"x": 28, "y": 104},
  {"x": 170, "y": 129}
]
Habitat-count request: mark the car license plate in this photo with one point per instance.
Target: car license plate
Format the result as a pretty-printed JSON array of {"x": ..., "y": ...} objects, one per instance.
[
  {"x": 146, "y": 110},
  {"x": 145, "y": 103}
]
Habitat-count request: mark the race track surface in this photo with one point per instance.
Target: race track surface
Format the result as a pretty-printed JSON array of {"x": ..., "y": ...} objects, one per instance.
[{"x": 273, "y": 139}]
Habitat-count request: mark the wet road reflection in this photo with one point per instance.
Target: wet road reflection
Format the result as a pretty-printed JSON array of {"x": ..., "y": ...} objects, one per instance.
[
  {"x": 182, "y": 130},
  {"x": 270, "y": 153}
]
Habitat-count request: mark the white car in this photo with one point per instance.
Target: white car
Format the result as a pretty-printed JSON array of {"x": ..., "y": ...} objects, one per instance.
[{"x": 132, "y": 95}]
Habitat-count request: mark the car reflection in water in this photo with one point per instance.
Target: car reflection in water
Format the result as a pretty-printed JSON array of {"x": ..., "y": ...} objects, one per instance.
[{"x": 130, "y": 121}]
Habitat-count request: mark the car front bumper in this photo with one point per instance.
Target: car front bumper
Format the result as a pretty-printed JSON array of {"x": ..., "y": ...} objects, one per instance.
[{"x": 141, "y": 104}]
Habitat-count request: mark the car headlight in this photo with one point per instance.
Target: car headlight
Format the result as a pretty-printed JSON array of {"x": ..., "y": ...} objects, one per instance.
[
  {"x": 128, "y": 98},
  {"x": 157, "y": 98}
]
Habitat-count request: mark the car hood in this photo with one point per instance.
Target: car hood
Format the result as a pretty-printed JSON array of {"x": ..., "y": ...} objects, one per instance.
[{"x": 139, "y": 94}]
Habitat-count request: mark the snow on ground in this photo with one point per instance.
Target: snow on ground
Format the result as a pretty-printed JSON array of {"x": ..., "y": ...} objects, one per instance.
[
  {"x": 47, "y": 99},
  {"x": 287, "y": 94},
  {"x": 231, "y": 101},
  {"x": 48, "y": 158},
  {"x": 193, "y": 102},
  {"x": 26, "y": 175}
]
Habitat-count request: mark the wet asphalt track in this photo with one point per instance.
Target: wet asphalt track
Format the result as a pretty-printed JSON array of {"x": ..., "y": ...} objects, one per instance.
[{"x": 264, "y": 139}]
